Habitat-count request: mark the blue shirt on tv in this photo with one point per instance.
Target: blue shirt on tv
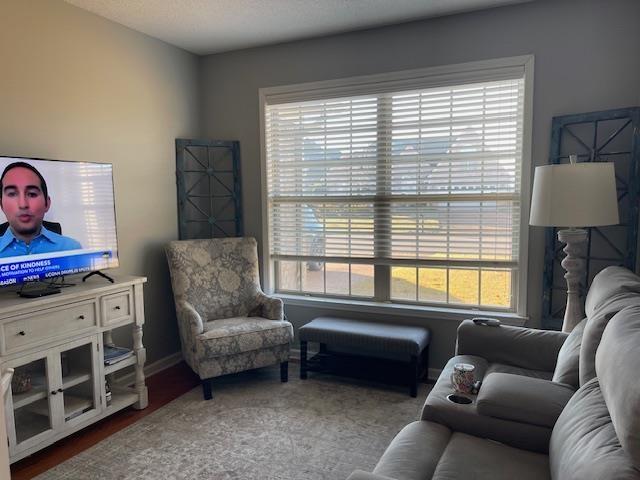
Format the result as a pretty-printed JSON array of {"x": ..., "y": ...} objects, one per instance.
[{"x": 46, "y": 242}]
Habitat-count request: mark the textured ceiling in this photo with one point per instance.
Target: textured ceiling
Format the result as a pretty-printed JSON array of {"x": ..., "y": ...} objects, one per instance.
[{"x": 214, "y": 26}]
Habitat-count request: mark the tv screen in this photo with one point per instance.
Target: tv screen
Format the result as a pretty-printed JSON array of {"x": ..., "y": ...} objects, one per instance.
[{"x": 58, "y": 218}]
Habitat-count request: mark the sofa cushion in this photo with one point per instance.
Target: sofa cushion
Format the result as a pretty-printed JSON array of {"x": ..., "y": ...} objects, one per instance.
[
  {"x": 568, "y": 365},
  {"x": 584, "y": 445},
  {"x": 229, "y": 336},
  {"x": 465, "y": 418},
  {"x": 613, "y": 289},
  {"x": 414, "y": 452},
  {"x": 523, "y": 399},
  {"x": 618, "y": 367},
  {"x": 468, "y": 457}
]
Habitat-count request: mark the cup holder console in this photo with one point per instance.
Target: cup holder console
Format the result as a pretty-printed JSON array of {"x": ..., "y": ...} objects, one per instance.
[{"x": 459, "y": 399}]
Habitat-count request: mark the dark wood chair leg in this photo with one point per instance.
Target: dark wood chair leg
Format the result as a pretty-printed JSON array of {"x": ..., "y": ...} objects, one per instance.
[
  {"x": 284, "y": 372},
  {"x": 206, "y": 388},
  {"x": 303, "y": 360},
  {"x": 414, "y": 373},
  {"x": 323, "y": 348}
]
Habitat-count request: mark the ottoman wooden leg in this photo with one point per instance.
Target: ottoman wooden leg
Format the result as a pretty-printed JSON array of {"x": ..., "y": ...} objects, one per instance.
[
  {"x": 303, "y": 360},
  {"x": 284, "y": 372},
  {"x": 414, "y": 372},
  {"x": 425, "y": 362}
]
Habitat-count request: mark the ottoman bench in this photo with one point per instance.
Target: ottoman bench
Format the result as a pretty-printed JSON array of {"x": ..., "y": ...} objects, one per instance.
[{"x": 408, "y": 343}]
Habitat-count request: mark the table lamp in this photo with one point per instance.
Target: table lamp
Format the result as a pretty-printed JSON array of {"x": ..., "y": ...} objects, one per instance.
[{"x": 574, "y": 195}]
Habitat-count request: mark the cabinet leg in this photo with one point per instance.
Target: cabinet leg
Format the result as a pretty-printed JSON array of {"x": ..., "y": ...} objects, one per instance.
[
  {"x": 206, "y": 388},
  {"x": 141, "y": 355}
]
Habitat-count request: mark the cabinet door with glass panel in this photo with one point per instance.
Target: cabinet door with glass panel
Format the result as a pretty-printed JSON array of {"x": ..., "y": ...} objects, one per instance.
[{"x": 52, "y": 391}]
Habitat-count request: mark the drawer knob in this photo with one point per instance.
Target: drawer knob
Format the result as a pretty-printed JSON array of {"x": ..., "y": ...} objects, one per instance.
[
  {"x": 81, "y": 317},
  {"x": 60, "y": 390},
  {"x": 117, "y": 307},
  {"x": 53, "y": 392},
  {"x": 21, "y": 332}
]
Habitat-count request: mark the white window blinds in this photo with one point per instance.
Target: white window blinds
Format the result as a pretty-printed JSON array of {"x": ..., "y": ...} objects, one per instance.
[{"x": 423, "y": 176}]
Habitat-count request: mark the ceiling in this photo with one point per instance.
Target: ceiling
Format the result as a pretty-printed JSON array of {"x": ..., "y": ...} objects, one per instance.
[{"x": 213, "y": 26}]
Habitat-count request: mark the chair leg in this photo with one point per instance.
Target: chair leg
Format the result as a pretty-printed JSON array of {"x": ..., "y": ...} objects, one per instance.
[
  {"x": 284, "y": 372},
  {"x": 303, "y": 360},
  {"x": 206, "y": 388}
]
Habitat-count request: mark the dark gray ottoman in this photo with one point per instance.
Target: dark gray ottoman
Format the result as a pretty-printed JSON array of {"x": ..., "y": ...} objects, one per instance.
[{"x": 400, "y": 341}]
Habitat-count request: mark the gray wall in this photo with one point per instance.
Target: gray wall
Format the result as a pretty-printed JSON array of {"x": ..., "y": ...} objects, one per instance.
[
  {"x": 586, "y": 59},
  {"x": 75, "y": 86}
]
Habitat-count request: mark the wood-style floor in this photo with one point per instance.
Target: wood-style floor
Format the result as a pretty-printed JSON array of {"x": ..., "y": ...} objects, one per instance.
[{"x": 163, "y": 387}]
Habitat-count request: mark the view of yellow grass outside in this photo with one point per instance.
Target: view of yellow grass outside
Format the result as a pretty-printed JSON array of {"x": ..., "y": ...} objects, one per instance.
[
  {"x": 495, "y": 289},
  {"x": 407, "y": 283},
  {"x": 486, "y": 287}
]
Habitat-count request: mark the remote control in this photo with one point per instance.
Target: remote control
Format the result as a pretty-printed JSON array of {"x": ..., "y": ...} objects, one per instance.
[{"x": 490, "y": 322}]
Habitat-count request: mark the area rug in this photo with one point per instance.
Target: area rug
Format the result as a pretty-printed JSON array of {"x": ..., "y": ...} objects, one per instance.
[{"x": 255, "y": 428}]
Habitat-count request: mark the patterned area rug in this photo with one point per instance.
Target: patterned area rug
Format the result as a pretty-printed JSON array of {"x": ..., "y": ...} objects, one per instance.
[{"x": 255, "y": 428}]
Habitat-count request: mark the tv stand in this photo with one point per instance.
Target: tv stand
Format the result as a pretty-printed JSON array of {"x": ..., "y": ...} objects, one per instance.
[
  {"x": 99, "y": 273},
  {"x": 57, "y": 344}
]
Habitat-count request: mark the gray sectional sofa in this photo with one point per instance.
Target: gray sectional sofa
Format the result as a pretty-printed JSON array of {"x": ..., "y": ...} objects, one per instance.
[{"x": 552, "y": 405}]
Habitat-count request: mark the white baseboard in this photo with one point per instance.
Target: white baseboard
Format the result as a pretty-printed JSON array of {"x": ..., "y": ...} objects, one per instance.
[
  {"x": 153, "y": 368},
  {"x": 433, "y": 373},
  {"x": 175, "y": 358}
]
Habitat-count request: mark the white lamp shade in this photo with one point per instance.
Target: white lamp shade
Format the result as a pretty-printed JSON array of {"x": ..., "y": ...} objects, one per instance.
[{"x": 574, "y": 195}]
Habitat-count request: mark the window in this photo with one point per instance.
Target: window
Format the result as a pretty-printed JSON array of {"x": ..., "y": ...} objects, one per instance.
[{"x": 407, "y": 189}]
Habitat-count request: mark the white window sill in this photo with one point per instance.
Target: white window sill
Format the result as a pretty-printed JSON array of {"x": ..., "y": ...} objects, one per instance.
[{"x": 429, "y": 312}]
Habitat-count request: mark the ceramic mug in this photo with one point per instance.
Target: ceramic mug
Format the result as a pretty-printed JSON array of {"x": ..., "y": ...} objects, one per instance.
[{"x": 462, "y": 377}]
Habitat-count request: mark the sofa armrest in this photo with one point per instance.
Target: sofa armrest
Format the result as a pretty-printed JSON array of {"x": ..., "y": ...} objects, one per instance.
[
  {"x": 517, "y": 346},
  {"x": 272, "y": 307},
  {"x": 362, "y": 475},
  {"x": 523, "y": 399}
]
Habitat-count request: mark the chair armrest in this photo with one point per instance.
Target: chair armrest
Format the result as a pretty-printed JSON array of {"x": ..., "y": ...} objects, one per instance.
[
  {"x": 272, "y": 307},
  {"x": 361, "y": 475},
  {"x": 523, "y": 399},
  {"x": 517, "y": 346},
  {"x": 188, "y": 314}
]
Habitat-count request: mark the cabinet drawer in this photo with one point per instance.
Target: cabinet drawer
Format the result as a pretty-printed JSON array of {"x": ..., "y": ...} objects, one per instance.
[
  {"x": 31, "y": 329},
  {"x": 117, "y": 308}
]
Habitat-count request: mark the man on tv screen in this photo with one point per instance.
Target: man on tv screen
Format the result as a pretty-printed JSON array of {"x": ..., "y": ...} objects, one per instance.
[{"x": 24, "y": 199}]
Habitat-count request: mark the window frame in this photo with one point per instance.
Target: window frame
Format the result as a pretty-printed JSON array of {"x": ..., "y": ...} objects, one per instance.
[{"x": 485, "y": 70}]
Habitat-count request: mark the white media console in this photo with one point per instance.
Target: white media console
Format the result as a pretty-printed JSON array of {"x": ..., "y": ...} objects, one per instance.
[{"x": 55, "y": 345}]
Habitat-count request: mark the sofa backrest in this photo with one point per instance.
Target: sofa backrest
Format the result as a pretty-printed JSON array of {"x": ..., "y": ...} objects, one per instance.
[
  {"x": 596, "y": 435},
  {"x": 613, "y": 289},
  {"x": 618, "y": 369}
]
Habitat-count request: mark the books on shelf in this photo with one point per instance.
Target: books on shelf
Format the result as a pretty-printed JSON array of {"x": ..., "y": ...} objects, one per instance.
[{"x": 113, "y": 354}]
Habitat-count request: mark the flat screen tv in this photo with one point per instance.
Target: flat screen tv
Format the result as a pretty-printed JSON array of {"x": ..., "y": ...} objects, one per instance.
[{"x": 57, "y": 219}]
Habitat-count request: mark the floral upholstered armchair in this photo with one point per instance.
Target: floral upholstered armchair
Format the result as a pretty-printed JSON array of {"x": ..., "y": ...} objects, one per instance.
[{"x": 226, "y": 323}]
